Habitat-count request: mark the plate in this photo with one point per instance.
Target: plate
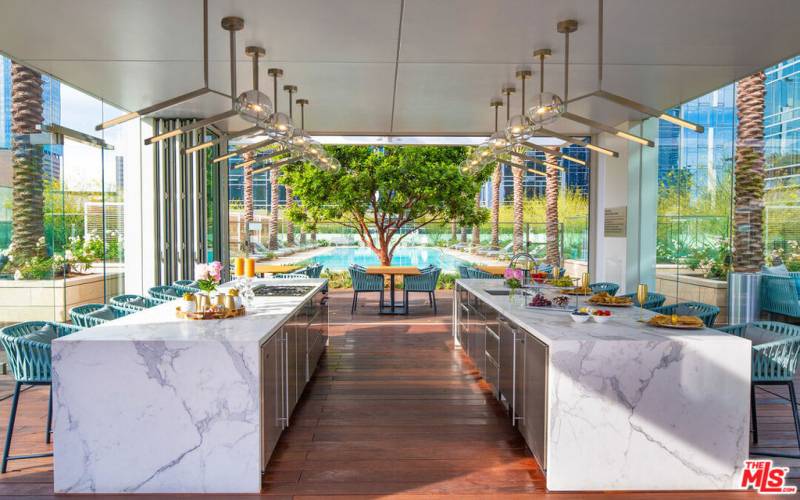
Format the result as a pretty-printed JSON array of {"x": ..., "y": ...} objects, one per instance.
[
  {"x": 677, "y": 327},
  {"x": 604, "y": 304}
]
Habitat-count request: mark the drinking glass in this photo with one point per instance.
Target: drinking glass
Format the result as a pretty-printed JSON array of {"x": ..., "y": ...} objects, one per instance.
[{"x": 641, "y": 296}]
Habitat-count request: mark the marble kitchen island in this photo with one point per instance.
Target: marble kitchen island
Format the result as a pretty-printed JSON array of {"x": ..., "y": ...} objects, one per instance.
[
  {"x": 614, "y": 406},
  {"x": 149, "y": 403}
]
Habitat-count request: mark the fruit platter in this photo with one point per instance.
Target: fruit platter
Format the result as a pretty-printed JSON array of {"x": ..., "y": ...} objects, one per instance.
[
  {"x": 606, "y": 299},
  {"x": 539, "y": 301},
  {"x": 578, "y": 290},
  {"x": 585, "y": 314}
]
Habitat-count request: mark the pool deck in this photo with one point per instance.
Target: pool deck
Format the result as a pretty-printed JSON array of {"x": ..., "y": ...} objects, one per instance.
[{"x": 308, "y": 254}]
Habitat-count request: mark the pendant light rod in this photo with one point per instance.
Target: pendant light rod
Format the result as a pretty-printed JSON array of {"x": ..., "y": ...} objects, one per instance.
[
  {"x": 508, "y": 90},
  {"x": 205, "y": 43},
  {"x": 291, "y": 89},
  {"x": 599, "y": 44},
  {"x": 255, "y": 52},
  {"x": 523, "y": 74},
  {"x": 275, "y": 73},
  {"x": 495, "y": 102},
  {"x": 542, "y": 54},
  {"x": 232, "y": 24},
  {"x": 566, "y": 27},
  {"x": 302, "y": 103}
]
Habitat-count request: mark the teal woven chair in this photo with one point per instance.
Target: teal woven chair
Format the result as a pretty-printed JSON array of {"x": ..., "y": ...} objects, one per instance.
[
  {"x": 364, "y": 283},
  {"x": 653, "y": 300},
  {"x": 609, "y": 288},
  {"x": 422, "y": 283},
  {"x": 463, "y": 272},
  {"x": 133, "y": 302},
  {"x": 164, "y": 293},
  {"x": 776, "y": 348},
  {"x": 477, "y": 274},
  {"x": 184, "y": 286},
  {"x": 27, "y": 347},
  {"x": 84, "y": 316},
  {"x": 314, "y": 271},
  {"x": 705, "y": 312},
  {"x": 779, "y": 295}
]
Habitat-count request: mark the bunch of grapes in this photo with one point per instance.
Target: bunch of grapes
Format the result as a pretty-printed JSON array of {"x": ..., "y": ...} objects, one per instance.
[
  {"x": 540, "y": 300},
  {"x": 561, "y": 301}
]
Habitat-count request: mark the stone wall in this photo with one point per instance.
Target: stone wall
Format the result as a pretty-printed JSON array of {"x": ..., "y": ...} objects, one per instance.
[{"x": 686, "y": 287}]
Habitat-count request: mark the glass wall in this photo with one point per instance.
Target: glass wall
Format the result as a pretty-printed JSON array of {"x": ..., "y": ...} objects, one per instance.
[{"x": 62, "y": 185}]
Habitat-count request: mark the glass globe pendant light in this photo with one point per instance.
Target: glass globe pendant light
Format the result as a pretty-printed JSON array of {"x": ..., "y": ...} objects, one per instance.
[
  {"x": 281, "y": 125},
  {"x": 518, "y": 129},
  {"x": 254, "y": 106},
  {"x": 546, "y": 109}
]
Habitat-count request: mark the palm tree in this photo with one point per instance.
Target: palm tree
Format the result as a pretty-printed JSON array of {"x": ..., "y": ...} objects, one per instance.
[
  {"x": 748, "y": 242},
  {"x": 551, "y": 212},
  {"x": 248, "y": 203},
  {"x": 289, "y": 223},
  {"x": 497, "y": 178},
  {"x": 273, "y": 212},
  {"x": 476, "y": 229},
  {"x": 27, "y": 212},
  {"x": 519, "y": 176}
]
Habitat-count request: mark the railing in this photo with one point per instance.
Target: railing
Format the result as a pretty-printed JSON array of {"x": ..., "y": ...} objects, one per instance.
[{"x": 678, "y": 237}]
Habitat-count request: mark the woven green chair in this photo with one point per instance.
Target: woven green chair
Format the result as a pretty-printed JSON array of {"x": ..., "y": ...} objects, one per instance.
[
  {"x": 779, "y": 295},
  {"x": 705, "y": 312},
  {"x": 164, "y": 293},
  {"x": 186, "y": 286},
  {"x": 86, "y": 315},
  {"x": 27, "y": 346},
  {"x": 133, "y": 302},
  {"x": 477, "y": 274},
  {"x": 776, "y": 348},
  {"x": 363, "y": 282},
  {"x": 608, "y": 287},
  {"x": 422, "y": 283},
  {"x": 653, "y": 300}
]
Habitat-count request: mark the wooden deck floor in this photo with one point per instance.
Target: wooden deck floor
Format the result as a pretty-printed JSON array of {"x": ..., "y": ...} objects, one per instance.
[{"x": 393, "y": 411}]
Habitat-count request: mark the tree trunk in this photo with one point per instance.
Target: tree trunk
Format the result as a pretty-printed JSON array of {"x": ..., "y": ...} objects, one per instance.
[
  {"x": 476, "y": 229},
  {"x": 248, "y": 205},
  {"x": 519, "y": 175},
  {"x": 27, "y": 213},
  {"x": 453, "y": 231},
  {"x": 464, "y": 234},
  {"x": 314, "y": 236},
  {"x": 748, "y": 242},
  {"x": 289, "y": 223},
  {"x": 497, "y": 178},
  {"x": 551, "y": 212},
  {"x": 273, "y": 213}
]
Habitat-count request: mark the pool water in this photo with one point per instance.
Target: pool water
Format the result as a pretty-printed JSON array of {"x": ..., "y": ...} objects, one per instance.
[{"x": 339, "y": 259}]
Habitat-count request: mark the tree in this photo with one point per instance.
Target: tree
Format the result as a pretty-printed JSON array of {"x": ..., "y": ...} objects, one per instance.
[
  {"x": 476, "y": 229},
  {"x": 248, "y": 203},
  {"x": 289, "y": 224},
  {"x": 385, "y": 193},
  {"x": 748, "y": 241},
  {"x": 273, "y": 207},
  {"x": 497, "y": 178},
  {"x": 27, "y": 212},
  {"x": 551, "y": 212},
  {"x": 519, "y": 176}
]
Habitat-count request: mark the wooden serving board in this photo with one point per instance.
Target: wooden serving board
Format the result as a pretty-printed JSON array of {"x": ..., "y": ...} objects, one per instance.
[{"x": 209, "y": 314}]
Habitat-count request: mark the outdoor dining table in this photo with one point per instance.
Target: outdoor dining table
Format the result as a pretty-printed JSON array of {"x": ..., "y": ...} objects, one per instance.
[
  {"x": 262, "y": 269},
  {"x": 497, "y": 270},
  {"x": 392, "y": 271}
]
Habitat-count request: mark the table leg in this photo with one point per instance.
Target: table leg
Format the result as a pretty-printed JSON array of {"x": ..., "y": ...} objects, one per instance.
[{"x": 391, "y": 292}]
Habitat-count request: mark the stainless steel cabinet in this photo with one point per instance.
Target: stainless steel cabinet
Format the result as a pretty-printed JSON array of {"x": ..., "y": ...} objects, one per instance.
[
  {"x": 272, "y": 398},
  {"x": 533, "y": 416}
]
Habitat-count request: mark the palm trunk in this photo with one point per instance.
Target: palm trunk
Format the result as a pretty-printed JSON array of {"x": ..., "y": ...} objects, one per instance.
[
  {"x": 476, "y": 229},
  {"x": 464, "y": 234},
  {"x": 289, "y": 223},
  {"x": 497, "y": 178},
  {"x": 273, "y": 213},
  {"x": 748, "y": 242},
  {"x": 519, "y": 176},
  {"x": 551, "y": 212},
  {"x": 27, "y": 212},
  {"x": 248, "y": 206}
]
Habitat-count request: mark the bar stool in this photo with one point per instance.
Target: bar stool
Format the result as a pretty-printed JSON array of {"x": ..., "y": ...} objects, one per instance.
[{"x": 27, "y": 346}]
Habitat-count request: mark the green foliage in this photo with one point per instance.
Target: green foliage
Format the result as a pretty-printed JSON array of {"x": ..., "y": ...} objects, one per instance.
[
  {"x": 381, "y": 192},
  {"x": 713, "y": 260},
  {"x": 447, "y": 281},
  {"x": 338, "y": 279}
]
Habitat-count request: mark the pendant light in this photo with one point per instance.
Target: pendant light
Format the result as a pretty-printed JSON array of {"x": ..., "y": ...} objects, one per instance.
[
  {"x": 547, "y": 106},
  {"x": 230, "y": 24},
  {"x": 624, "y": 101},
  {"x": 175, "y": 100}
]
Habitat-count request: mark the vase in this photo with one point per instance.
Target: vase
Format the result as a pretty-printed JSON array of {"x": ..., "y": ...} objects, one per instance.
[{"x": 515, "y": 296}]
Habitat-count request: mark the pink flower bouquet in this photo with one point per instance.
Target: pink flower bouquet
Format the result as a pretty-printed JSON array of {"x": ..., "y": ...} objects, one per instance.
[
  {"x": 513, "y": 277},
  {"x": 208, "y": 276}
]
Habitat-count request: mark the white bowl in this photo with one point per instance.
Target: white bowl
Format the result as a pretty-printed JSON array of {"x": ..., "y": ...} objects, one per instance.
[
  {"x": 579, "y": 318},
  {"x": 600, "y": 319}
]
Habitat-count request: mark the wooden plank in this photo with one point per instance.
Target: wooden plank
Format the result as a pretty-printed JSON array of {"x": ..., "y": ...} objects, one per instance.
[{"x": 396, "y": 270}]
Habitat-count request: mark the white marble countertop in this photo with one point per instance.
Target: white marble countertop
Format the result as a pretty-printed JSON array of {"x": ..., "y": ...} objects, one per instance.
[
  {"x": 554, "y": 326},
  {"x": 159, "y": 323}
]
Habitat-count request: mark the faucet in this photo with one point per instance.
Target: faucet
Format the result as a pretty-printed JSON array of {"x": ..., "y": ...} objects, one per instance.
[{"x": 520, "y": 255}]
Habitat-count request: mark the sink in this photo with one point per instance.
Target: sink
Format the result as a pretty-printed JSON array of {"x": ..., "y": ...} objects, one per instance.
[{"x": 498, "y": 292}]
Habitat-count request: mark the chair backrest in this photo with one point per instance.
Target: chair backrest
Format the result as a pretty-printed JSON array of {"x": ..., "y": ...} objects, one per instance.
[
  {"x": 363, "y": 282},
  {"x": 314, "y": 271},
  {"x": 608, "y": 287},
  {"x": 463, "y": 272},
  {"x": 29, "y": 360},
  {"x": 481, "y": 275},
  {"x": 164, "y": 293},
  {"x": 425, "y": 281},
  {"x": 127, "y": 301},
  {"x": 81, "y": 315},
  {"x": 779, "y": 294},
  {"x": 653, "y": 300},
  {"x": 774, "y": 361}
]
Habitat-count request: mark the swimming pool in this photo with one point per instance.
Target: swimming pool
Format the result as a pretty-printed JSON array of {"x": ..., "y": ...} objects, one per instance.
[{"x": 338, "y": 259}]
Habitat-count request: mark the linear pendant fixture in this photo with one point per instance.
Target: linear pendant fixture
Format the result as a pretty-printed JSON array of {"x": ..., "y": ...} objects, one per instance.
[
  {"x": 275, "y": 165},
  {"x": 553, "y": 152},
  {"x": 247, "y": 149},
  {"x": 175, "y": 100},
  {"x": 599, "y": 149},
  {"x": 230, "y": 135},
  {"x": 609, "y": 129}
]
